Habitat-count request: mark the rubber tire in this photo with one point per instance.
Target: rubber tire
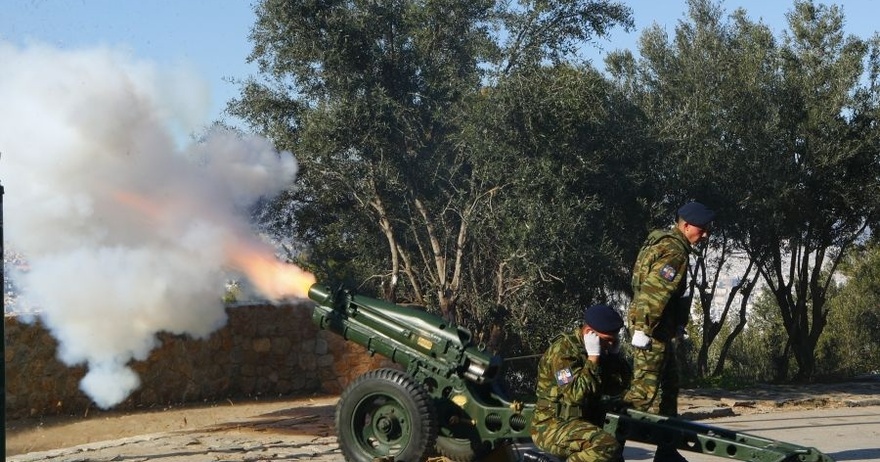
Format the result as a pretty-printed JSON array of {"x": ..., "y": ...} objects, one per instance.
[
  {"x": 458, "y": 440},
  {"x": 385, "y": 413},
  {"x": 457, "y": 449}
]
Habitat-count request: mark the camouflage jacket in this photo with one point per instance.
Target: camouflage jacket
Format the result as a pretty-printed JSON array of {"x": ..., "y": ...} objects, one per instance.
[
  {"x": 570, "y": 386},
  {"x": 658, "y": 282}
]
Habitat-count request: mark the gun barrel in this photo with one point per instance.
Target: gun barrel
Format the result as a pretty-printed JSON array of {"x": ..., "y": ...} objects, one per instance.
[{"x": 406, "y": 335}]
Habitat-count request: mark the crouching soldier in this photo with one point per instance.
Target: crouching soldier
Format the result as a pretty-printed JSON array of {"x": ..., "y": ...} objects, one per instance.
[{"x": 576, "y": 375}]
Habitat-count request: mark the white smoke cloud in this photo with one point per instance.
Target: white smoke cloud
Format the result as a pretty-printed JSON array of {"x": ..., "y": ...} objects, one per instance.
[{"x": 127, "y": 234}]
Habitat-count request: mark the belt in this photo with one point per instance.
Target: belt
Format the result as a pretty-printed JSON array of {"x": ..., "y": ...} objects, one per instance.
[{"x": 563, "y": 411}]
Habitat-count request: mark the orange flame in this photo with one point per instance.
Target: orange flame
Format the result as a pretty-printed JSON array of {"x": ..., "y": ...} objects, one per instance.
[
  {"x": 273, "y": 278},
  {"x": 144, "y": 205}
]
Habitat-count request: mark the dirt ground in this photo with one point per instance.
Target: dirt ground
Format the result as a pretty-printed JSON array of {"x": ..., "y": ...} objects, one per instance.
[
  {"x": 306, "y": 415},
  {"x": 314, "y": 415}
]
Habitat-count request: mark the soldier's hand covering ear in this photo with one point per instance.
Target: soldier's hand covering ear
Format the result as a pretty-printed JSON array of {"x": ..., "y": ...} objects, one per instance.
[
  {"x": 592, "y": 343},
  {"x": 640, "y": 340}
]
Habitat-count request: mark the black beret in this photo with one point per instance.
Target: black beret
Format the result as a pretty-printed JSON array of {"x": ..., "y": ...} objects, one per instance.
[
  {"x": 603, "y": 319},
  {"x": 696, "y": 214}
]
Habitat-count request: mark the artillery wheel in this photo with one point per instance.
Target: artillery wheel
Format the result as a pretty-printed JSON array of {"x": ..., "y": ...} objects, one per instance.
[
  {"x": 458, "y": 449},
  {"x": 457, "y": 439},
  {"x": 385, "y": 413}
]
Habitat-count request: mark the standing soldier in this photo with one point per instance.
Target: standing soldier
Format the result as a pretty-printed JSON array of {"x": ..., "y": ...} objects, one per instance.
[
  {"x": 659, "y": 313},
  {"x": 576, "y": 371}
]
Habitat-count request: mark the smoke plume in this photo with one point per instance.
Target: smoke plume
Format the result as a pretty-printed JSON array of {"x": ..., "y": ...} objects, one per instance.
[{"x": 127, "y": 233}]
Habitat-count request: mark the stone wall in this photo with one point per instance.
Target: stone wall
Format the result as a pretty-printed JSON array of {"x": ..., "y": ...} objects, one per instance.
[{"x": 263, "y": 351}]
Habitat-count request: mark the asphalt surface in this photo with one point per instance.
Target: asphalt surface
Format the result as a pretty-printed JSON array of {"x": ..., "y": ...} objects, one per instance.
[
  {"x": 844, "y": 434},
  {"x": 842, "y": 421},
  {"x": 850, "y": 434}
]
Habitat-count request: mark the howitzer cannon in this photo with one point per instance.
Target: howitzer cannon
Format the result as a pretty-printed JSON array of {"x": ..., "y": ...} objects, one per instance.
[{"x": 448, "y": 397}]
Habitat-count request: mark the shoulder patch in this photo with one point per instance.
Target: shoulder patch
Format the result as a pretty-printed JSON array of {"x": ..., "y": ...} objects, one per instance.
[
  {"x": 667, "y": 272},
  {"x": 563, "y": 376}
]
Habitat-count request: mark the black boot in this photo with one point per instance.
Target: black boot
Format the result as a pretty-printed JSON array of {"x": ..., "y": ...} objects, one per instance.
[
  {"x": 538, "y": 456},
  {"x": 668, "y": 454}
]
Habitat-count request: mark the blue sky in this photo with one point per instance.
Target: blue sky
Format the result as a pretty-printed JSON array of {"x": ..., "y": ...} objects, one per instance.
[{"x": 211, "y": 36}]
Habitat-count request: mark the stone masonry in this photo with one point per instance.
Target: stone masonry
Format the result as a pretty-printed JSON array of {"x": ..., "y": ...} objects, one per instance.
[{"x": 262, "y": 351}]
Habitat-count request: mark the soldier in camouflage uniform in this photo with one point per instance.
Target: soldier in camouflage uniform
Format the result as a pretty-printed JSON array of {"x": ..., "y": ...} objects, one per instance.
[
  {"x": 659, "y": 313},
  {"x": 576, "y": 374}
]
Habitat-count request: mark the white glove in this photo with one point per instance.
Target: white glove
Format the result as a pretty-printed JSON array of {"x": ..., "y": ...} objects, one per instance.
[
  {"x": 592, "y": 344},
  {"x": 640, "y": 340}
]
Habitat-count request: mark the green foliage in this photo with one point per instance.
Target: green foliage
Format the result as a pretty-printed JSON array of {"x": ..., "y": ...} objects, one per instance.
[
  {"x": 399, "y": 194},
  {"x": 705, "y": 93},
  {"x": 456, "y": 155},
  {"x": 758, "y": 354},
  {"x": 762, "y": 352},
  {"x": 818, "y": 213},
  {"x": 540, "y": 31},
  {"x": 774, "y": 136},
  {"x": 851, "y": 343},
  {"x": 725, "y": 381},
  {"x": 566, "y": 156}
]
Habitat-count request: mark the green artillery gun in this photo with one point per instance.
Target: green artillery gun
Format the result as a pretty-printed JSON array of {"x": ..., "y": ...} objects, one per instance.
[{"x": 448, "y": 397}]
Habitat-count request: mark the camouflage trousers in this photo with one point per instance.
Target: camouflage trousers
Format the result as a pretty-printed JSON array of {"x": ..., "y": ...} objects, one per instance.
[
  {"x": 577, "y": 440},
  {"x": 655, "y": 382}
]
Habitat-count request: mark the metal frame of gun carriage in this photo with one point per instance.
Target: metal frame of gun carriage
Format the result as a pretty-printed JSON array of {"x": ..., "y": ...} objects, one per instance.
[{"x": 447, "y": 397}]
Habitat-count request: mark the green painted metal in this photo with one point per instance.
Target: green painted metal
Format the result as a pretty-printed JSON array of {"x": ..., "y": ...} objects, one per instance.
[
  {"x": 459, "y": 375},
  {"x": 463, "y": 381},
  {"x": 632, "y": 425}
]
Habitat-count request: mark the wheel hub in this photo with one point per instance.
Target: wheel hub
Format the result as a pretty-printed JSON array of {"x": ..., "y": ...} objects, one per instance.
[{"x": 387, "y": 424}]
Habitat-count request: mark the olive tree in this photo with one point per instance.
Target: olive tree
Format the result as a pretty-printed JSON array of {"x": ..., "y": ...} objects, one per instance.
[
  {"x": 852, "y": 345},
  {"x": 781, "y": 138},
  {"x": 374, "y": 99},
  {"x": 704, "y": 93},
  {"x": 569, "y": 157},
  {"x": 826, "y": 159}
]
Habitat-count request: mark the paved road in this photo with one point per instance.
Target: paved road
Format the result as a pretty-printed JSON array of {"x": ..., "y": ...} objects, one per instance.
[{"x": 846, "y": 434}]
